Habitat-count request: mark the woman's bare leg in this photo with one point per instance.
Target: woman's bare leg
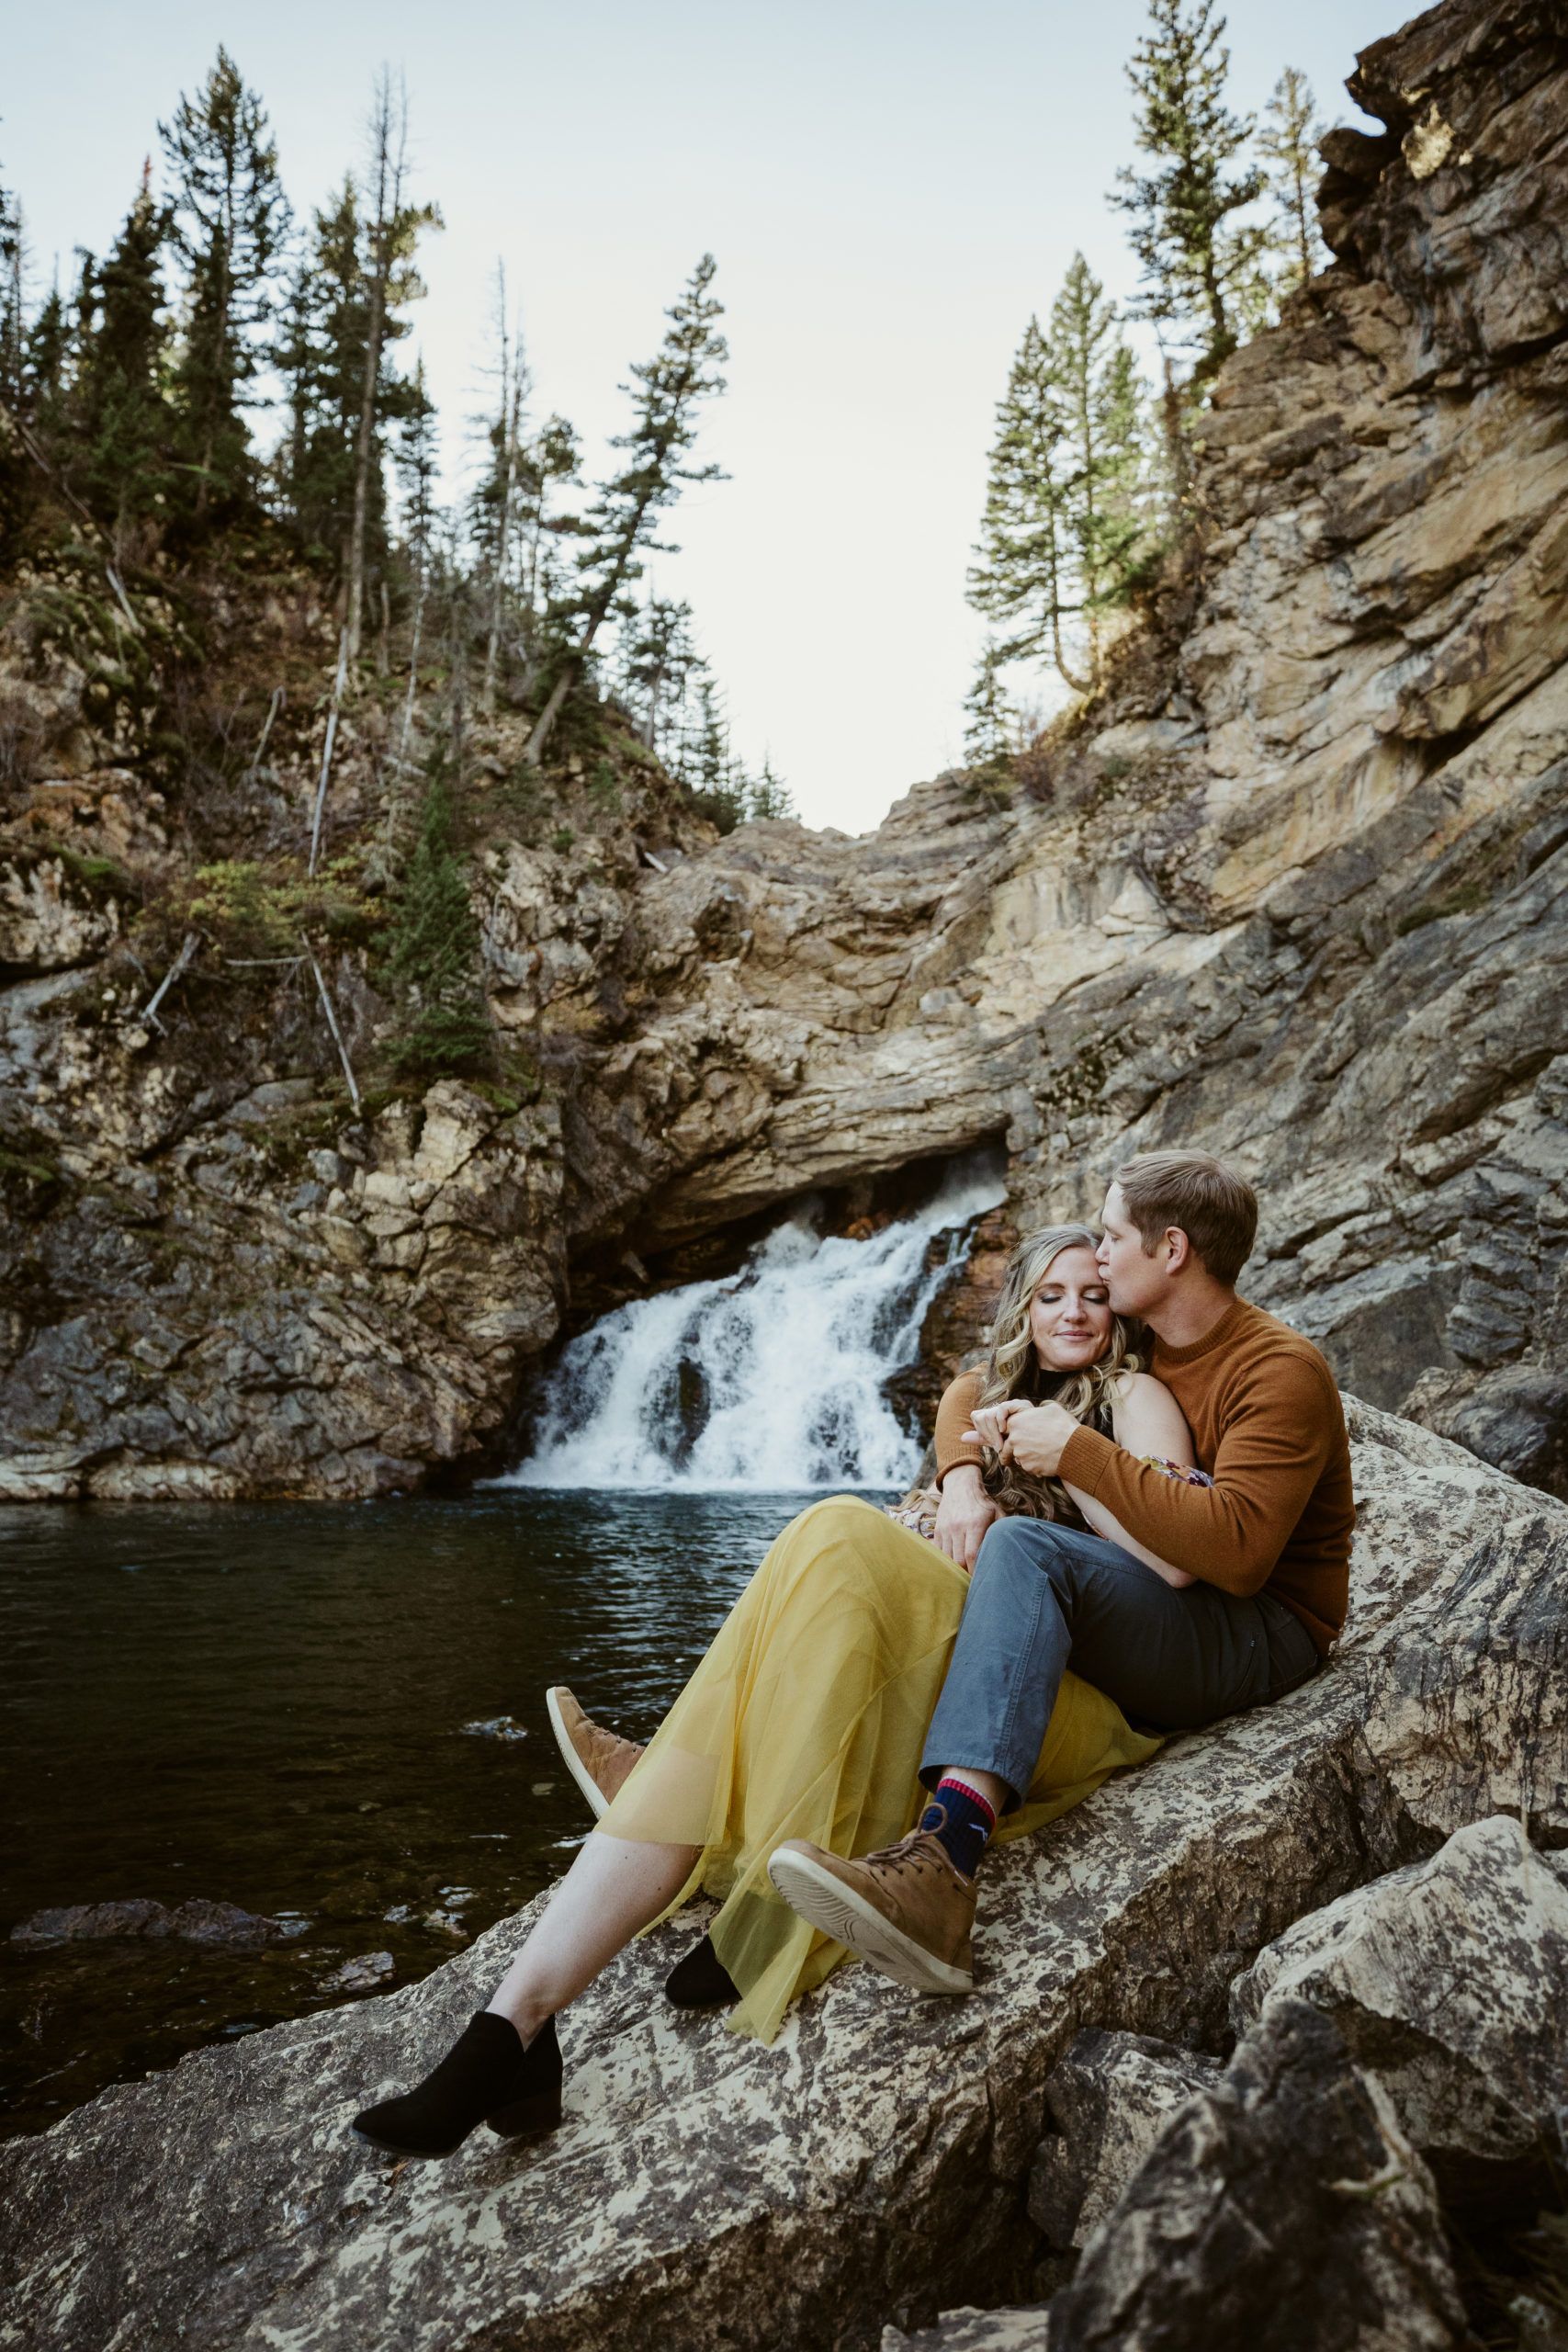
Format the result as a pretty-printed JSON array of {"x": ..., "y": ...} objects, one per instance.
[{"x": 615, "y": 1887}]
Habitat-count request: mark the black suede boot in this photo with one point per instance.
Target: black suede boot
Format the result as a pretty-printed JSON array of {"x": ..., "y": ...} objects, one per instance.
[
  {"x": 701, "y": 1981},
  {"x": 487, "y": 2076}
]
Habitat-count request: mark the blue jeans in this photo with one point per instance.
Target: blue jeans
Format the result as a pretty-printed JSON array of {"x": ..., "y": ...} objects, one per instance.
[{"x": 1044, "y": 1597}]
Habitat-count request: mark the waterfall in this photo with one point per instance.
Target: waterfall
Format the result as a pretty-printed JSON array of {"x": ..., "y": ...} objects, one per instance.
[{"x": 774, "y": 1378}]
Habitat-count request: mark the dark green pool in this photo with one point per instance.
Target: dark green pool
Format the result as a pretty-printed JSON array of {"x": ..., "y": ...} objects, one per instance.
[{"x": 263, "y": 1706}]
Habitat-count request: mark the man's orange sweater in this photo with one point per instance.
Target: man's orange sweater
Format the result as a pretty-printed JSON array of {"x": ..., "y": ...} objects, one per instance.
[{"x": 1268, "y": 1425}]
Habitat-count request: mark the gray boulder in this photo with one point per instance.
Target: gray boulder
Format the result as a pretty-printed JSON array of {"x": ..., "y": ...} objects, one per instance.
[
  {"x": 197, "y": 1921},
  {"x": 1020, "y": 2327},
  {"x": 1109, "y": 2099},
  {"x": 1282, "y": 2210},
  {"x": 1450, "y": 1979}
]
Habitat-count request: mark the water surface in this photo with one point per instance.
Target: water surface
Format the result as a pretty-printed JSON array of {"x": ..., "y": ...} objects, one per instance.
[{"x": 263, "y": 1705}]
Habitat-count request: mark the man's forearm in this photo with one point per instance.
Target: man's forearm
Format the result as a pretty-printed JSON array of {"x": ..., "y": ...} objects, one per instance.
[{"x": 1215, "y": 1533}]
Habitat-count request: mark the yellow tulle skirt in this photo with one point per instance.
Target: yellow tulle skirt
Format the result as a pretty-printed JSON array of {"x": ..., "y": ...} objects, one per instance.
[{"x": 806, "y": 1719}]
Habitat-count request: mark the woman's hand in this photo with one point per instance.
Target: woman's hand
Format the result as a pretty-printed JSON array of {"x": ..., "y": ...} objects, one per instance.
[
  {"x": 1031, "y": 1435},
  {"x": 964, "y": 1514}
]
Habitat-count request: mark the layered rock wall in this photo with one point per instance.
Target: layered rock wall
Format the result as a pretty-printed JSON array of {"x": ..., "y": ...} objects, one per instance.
[{"x": 1290, "y": 888}]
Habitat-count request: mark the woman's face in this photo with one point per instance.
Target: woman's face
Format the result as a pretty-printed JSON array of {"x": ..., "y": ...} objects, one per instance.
[{"x": 1069, "y": 1316}]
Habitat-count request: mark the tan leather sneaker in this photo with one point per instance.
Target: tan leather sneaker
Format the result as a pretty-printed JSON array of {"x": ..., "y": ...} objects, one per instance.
[
  {"x": 598, "y": 1761},
  {"x": 907, "y": 1910}
]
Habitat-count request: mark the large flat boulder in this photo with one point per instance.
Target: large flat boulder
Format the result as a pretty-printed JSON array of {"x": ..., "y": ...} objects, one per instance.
[{"x": 704, "y": 2190}]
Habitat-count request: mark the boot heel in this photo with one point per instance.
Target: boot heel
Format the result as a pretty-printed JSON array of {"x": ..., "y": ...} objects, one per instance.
[{"x": 525, "y": 2117}]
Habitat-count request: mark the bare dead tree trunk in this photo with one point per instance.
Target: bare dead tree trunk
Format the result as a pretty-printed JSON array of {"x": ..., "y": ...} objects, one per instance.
[
  {"x": 327, "y": 747},
  {"x": 388, "y": 141},
  {"x": 337, "y": 1033},
  {"x": 273, "y": 707},
  {"x": 413, "y": 666}
]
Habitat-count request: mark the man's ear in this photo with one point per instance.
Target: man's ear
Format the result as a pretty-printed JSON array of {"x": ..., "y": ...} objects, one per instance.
[{"x": 1179, "y": 1249}]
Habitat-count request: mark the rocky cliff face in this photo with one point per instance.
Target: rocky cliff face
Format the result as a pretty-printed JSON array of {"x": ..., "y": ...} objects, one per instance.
[{"x": 1291, "y": 890}]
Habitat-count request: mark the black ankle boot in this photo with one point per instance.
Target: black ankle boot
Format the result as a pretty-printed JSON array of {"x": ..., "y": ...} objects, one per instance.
[
  {"x": 487, "y": 2076},
  {"x": 701, "y": 1981}
]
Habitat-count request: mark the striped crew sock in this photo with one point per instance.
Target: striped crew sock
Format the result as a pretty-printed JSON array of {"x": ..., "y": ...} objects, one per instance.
[{"x": 962, "y": 1822}]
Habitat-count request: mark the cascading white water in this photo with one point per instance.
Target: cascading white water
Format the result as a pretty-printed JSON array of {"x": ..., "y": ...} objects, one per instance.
[{"x": 773, "y": 1378}]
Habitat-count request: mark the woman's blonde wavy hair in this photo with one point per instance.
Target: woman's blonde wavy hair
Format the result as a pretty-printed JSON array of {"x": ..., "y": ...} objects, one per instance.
[{"x": 1013, "y": 1369}]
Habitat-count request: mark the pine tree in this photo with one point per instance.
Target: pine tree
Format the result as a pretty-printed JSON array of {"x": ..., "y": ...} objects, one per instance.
[
  {"x": 1023, "y": 578},
  {"x": 1198, "y": 261},
  {"x": 230, "y": 218},
  {"x": 416, "y": 460},
  {"x": 703, "y": 761},
  {"x": 128, "y": 423},
  {"x": 620, "y": 523},
  {"x": 769, "y": 795},
  {"x": 1101, "y": 451},
  {"x": 1289, "y": 145},
  {"x": 436, "y": 945},
  {"x": 493, "y": 506},
  {"x": 991, "y": 731},
  {"x": 657, "y": 662},
  {"x": 13, "y": 301},
  {"x": 391, "y": 283},
  {"x": 323, "y": 354}
]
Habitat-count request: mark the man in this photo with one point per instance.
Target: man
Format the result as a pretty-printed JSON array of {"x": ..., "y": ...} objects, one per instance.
[{"x": 1265, "y": 1545}]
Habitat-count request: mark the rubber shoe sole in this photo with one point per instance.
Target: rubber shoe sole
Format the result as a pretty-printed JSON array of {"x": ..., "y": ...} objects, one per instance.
[
  {"x": 850, "y": 1920},
  {"x": 526, "y": 2118},
  {"x": 405, "y": 2154},
  {"x": 570, "y": 1758}
]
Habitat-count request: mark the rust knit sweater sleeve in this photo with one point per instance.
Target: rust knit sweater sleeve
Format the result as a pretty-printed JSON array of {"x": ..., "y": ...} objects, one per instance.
[
  {"x": 1279, "y": 1428},
  {"x": 959, "y": 1399}
]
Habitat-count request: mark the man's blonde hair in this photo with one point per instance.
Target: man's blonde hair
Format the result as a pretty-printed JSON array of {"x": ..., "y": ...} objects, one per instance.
[{"x": 1214, "y": 1207}]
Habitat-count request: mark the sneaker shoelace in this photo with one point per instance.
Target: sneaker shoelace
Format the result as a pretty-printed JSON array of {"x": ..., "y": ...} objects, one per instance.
[{"x": 910, "y": 1852}]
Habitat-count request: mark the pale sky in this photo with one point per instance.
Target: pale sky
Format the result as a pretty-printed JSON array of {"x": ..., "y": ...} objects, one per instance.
[{"x": 890, "y": 187}]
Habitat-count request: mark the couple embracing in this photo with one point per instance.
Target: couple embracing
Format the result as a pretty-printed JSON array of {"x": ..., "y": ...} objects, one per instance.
[{"x": 1116, "y": 1552}]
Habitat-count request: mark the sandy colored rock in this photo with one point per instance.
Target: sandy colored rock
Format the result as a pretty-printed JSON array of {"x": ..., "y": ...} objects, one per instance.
[{"x": 1449, "y": 1978}]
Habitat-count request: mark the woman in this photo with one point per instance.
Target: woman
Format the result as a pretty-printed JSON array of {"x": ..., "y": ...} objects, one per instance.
[{"x": 805, "y": 1721}]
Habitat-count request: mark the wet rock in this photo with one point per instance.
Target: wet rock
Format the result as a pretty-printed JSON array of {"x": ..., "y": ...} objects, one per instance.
[
  {"x": 1450, "y": 1978},
  {"x": 785, "y": 2197},
  {"x": 1283, "y": 2206},
  {"x": 366, "y": 1974},
  {"x": 1110, "y": 2099},
  {"x": 197, "y": 1921},
  {"x": 497, "y": 1727}
]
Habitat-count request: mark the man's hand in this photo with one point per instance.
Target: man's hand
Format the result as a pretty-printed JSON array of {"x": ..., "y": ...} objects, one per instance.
[
  {"x": 1033, "y": 1436},
  {"x": 964, "y": 1514}
]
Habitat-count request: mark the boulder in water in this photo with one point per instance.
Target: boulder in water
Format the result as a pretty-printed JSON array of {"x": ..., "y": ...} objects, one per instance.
[
  {"x": 366, "y": 1974},
  {"x": 198, "y": 1921}
]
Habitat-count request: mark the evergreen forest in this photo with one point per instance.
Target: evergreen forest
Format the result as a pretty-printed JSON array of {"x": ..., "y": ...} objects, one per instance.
[{"x": 221, "y": 515}]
